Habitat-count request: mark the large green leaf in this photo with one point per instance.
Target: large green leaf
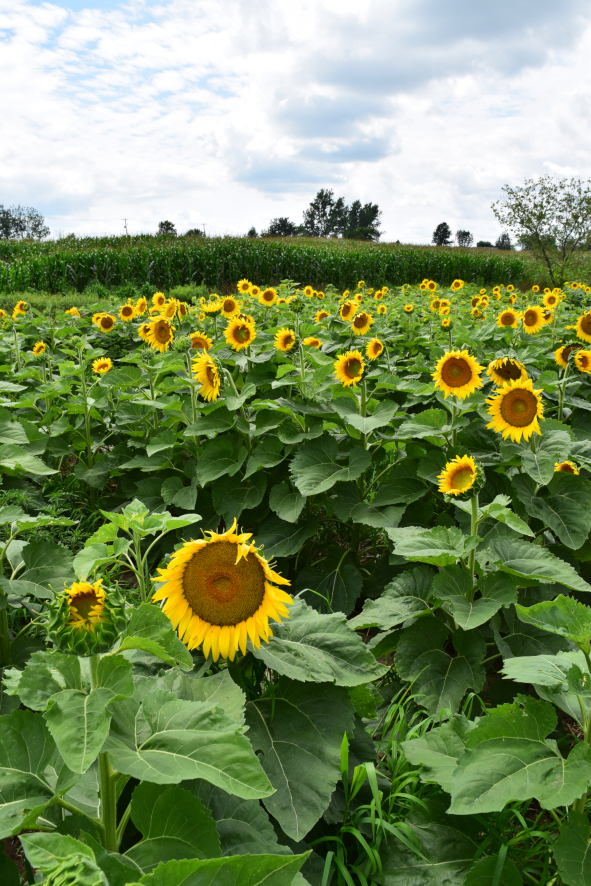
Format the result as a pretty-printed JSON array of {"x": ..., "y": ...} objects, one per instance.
[
  {"x": 45, "y": 674},
  {"x": 508, "y": 757},
  {"x": 484, "y": 872},
  {"x": 380, "y": 417},
  {"x": 239, "y": 870},
  {"x": 218, "y": 689},
  {"x": 440, "y": 546},
  {"x": 47, "y": 564},
  {"x": 230, "y": 499},
  {"x": 164, "y": 740},
  {"x": 404, "y": 598},
  {"x": 564, "y": 616},
  {"x": 79, "y": 724},
  {"x": 31, "y": 771},
  {"x": 317, "y": 648},
  {"x": 532, "y": 561},
  {"x": 439, "y": 750},
  {"x": 316, "y": 467},
  {"x": 13, "y": 432},
  {"x": 538, "y": 465},
  {"x": 439, "y": 679},
  {"x": 429, "y": 423},
  {"x": 572, "y": 851},
  {"x": 220, "y": 458},
  {"x": 13, "y": 458},
  {"x": 288, "y": 505},
  {"x": 298, "y": 734},
  {"x": 282, "y": 539},
  {"x": 150, "y": 630},
  {"x": 567, "y": 510},
  {"x": 174, "y": 823}
]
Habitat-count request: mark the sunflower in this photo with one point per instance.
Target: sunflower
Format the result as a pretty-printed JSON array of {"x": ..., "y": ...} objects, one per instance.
[
  {"x": 508, "y": 318},
  {"x": 206, "y": 371},
  {"x": 566, "y": 467},
  {"x": 200, "y": 341},
  {"x": 87, "y": 605},
  {"x": 349, "y": 368},
  {"x": 347, "y": 310},
  {"x": 219, "y": 591},
  {"x": 548, "y": 316},
  {"x": 510, "y": 288},
  {"x": 320, "y": 294},
  {"x": 182, "y": 308},
  {"x": 431, "y": 285},
  {"x": 21, "y": 307},
  {"x": 160, "y": 334},
  {"x": 378, "y": 295},
  {"x": 382, "y": 309},
  {"x": 213, "y": 306},
  {"x": 144, "y": 331},
  {"x": 374, "y": 348},
  {"x": 515, "y": 410},
  {"x": 39, "y": 348},
  {"x": 239, "y": 333},
  {"x": 73, "y": 312},
  {"x": 458, "y": 476},
  {"x": 154, "y": 312},
  {"x": 496, "y": 291},
  {"x": 244, "y": 286},
  {"x": 535, "y": 289},
  {"x": 475, "y": 301},
  {"x": 583, "y": 327},
  {"x": 268, "y": 296},
  {"x": 446, "y": 322},
  {"x": 563, "y": 353},
  {"x": 255, "y": 291},
  {"x": 106, "y": 322},
  {"x": 361, "y": 322},
  {"x": 141, "y": 306},
  {"x": 360, "y": 284},
  {"x": 346, "y": 294},
  {"x": 308, "y": 292},
  {"x": 312, "y": 342},
  {"x": 482, "y": 291},
  {"x": 370, "y": 291},
  {"x": 169, "y": 310},
  {"x": 158, "y": 299},
  {"x": 533, "y": 320},
  {"x": 127, "y": 313},
  {"x": 583, "y": 361},
  {"x": 551, "y": 299},
  {"x": 457, "y": 285},
  {"x": 476, "y": 312},
  {"x": 435, "y": 305},
  {"x": 409, "y": 308},
  {"x": 506, "y": 369},
  {"x": 230, "y": 306},
  {"x": 102, "y": 365},
  {"x": 444, "y": 310},
  {"x": 358, "y": 297},
  {"x": 321, "y": 315},
  {"x": 458, "y": 373},
  {"x": 285, "y": 339}
]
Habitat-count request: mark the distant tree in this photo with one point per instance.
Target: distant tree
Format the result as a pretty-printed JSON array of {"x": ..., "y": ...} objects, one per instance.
[
  {"x": 363, "y": 222},
  {"x": 22, "y": 222},
  {"x": 252, "y": 232},
  {"x": 504, "y": 241},
  {"x": 166, "y": 227},
  {"x": 464, "y": 238},
  {"x": 442, "y": 235},
  {"x": 552, "y": 217},
  {"x": 330, "y": 217},
  {"x": 281, "y": 227},
  {"x": 192, "y": 232},
  {"x": 483, "y": 243}
]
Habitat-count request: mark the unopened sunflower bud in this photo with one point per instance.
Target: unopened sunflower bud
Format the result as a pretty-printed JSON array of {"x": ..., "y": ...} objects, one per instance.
[
  {"x": 182, "y": 344},
  {"x": 85, "y": 619}
]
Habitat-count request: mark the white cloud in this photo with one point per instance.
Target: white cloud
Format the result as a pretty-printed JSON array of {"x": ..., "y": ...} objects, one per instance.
[{"x": 230, "y": 113}]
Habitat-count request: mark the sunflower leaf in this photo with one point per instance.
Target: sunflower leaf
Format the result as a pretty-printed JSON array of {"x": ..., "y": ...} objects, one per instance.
[
  {"x": 567, "y": 511},
  {"x": 440, "y": 546},
  {"x": 428, "y": 423},
  {"x": 564, "y": 616},
  {"x": 530, "y": 561},
  {"x": 572, "y": 851},
  {"x": 150, "y": 630},
  {"x": 238, "y": 870},
  {"x": 316, "y": 468}
]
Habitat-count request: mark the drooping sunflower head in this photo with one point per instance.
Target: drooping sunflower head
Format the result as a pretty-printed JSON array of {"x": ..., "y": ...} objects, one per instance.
[
  {"x": 321, "y": 315},
  {"x": 158, "y": 299},
  {"x": 515, "y": 410},
  {"x": 85, "y": 619},
  {"x": 583, "y": 361},
  {"x": 508, "y": 318},
  {"x": 127, "y": 313},
  {"x": 285, "y": 339},
  {"x": 409, "y": 308},
  {"x": 240, "y": 333},
  {"x": 348, "y": 309},
  {"x": 457, "y": 285},
  {"x": 102, "y": 365},
  {"x": 39, "y": 348},
  {"x": 220, "y": 591},
  {"x": 435, "y": 305},
  {"x": 230, "y": 306},
  {"x": 212, "y": 307},
  {"x": 457, "y": 373},
  {"x": 475, "y": 301},
  {"x": 268, "y": 296},
  {"x": 244, "y": 286},
  {"x": 182, "y": 308},
  {"x": 106, "y": 322},
  {"x": 200, "y": 341},
  {"x": 583, "y": 327},
  {"x": 312, "y": 342},
  {"x": 533, "y": 320},
  {"x": 506, "y": 369},
  {"x": 206, "y": 371},
  {"x": 73, "y": 312},
  {"x": 161, "y": 334},
  {"x": 349, "y": 368},
  {"x": 566, "y": 467},
  {"x": 361, "y": 322},
  {"x": 141, "y": 306},
  {"x": 562, "y": 354},
  {"x": 374, "y": 348},
  {"x": 459, "y": 477}
]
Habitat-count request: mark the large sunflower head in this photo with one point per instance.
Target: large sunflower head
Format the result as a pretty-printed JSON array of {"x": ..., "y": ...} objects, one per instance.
[
  {"x": 161, "y": 334},
  {"x": 551, "y": 299},
  {"x": 182, "y": 308},
  {"x": 206, "y": 371},
  {"x": 268, "y": 296},
  {"x": 566, "y": 467},
  {"x": 583, "y": 327},
  {"x": 515, "y": 410},
  {"x": 374, "y": 348},
  {"x": 508, "y": 317},
  {"x": 475, "y": 301},
  {"x": 21, "y": 307},
  {"x": 533, "y": 320},
  {"x": 255, "y": 291},
  {"x": 583, "y": 361},
  {"x": 461, "y": 477},
  {"x": 200, "y": 341},
  {"x": 144, "y": 331},
  {"x": 308, "y": 291},
  {"x": 127, "y": 313},
  {"x": 321, "y": 315},
  {"x": 212, "y": 307},
  {"x": 348, "y": 309},
  {"x": 220, "y": 591},
  {"x": 158, "y": 299},
  {"x": 230, "y": 306},
  {"x": 506, "y": 369},
  {"x": 361, "y": 322},
  {"x": 349, "y": 368},
  {"x": 240, "y": 333},
  {"x": 285, "y": 339},
  {"x": 85, "y": 618},
  {"x": 106, "y": 322},
  {"x": 244, "y": 286},
  {"x": 562, "y": 354},
  {"x": 141, "y": 306},
  {"x": 457, "y": 373},
  {"x": 102, "y": 365},
  {"x": 39, "y": 348}
]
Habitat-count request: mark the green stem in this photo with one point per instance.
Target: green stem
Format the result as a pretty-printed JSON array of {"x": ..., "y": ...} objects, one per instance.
[
  {"x": 561, "y": 392},
  {"x": 17, "y": 352},
  {"x": 473, "y": 531},
  {"x": 107, "y": 782},
  {"x": 453, "y": 421},
  {"x": 5, "y": 658},
  {"x": 140, "y": 569},
  {"x": 302, "y": 371},
  {"x": 363, "y": 409}
]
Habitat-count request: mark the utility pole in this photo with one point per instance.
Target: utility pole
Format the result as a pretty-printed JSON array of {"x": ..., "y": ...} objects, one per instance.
[{"x": 125, "y": 223}]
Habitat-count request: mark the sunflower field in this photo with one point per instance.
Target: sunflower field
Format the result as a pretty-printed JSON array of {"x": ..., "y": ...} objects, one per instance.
[{"x": 295, "y": 588}]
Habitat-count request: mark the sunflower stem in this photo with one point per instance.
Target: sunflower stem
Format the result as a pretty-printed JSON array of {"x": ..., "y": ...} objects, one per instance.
[
  {"x": 473, "y": 530},
  {"x": 302, "y": 371},
  {"x": 561, "y": 392},
  {"x": 107, "y": 781},
  {"x": 5, "y": 657},
  {"x": 453, "y": 421},
  {"x": 141, "y": 573}
]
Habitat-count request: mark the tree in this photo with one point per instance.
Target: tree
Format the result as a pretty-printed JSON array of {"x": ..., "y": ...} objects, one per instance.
[
  {"x": 363, "y": 221},
  {"x": 192, "y": 232},
  {"x": 166, "y": 227},
  {"x": 252, "y": 233},
  {"x": 22, "y": 222},
  {"x": 551, "y": 216},
  {"x": 504, "y": 241},
  {"x": 281, "y": 227},
  {"x": 484, "y": 244},
  {"x": 464, "y": 238},
  {"x": 442, "y": 235},
  {"x": 330, "y": 217}
]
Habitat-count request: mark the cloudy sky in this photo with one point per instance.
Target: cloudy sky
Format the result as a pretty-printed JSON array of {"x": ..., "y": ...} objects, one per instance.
[{"x": 228, "y": 113}]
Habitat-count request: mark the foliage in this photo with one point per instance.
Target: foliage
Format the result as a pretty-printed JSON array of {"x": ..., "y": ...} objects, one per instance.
[
  {"x": 330, "y": 217},
  {"x": 22, "y": 222},
  {"x": 281, "y": 227},
  {"x": 166, "y": 228},
  {"x": 503, "y": 242},
  {"x": 464, "y": 238},
  {"x": 442, "y": 235}
]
